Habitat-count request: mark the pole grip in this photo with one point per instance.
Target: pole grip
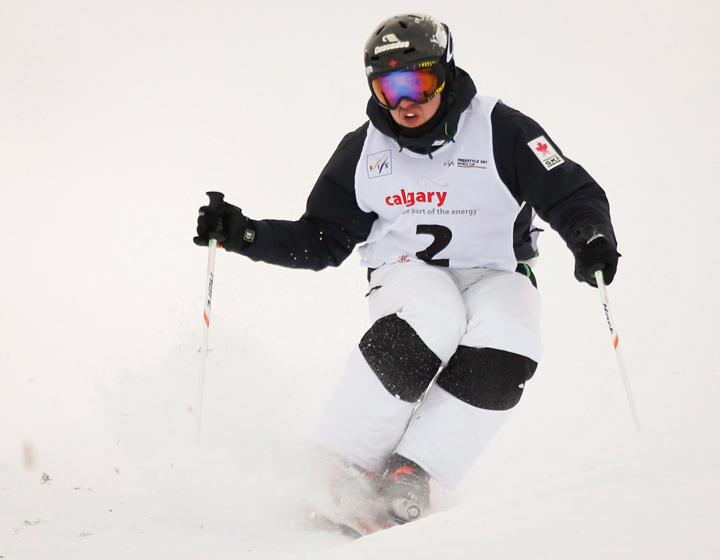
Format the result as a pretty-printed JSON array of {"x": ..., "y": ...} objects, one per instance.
[
  {"x": 587, "y": 233},
  {"x": 216, "y": 201}
]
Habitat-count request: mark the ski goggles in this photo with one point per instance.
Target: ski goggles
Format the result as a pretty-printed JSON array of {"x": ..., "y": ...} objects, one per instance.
[{"x": 417, "y": 84}]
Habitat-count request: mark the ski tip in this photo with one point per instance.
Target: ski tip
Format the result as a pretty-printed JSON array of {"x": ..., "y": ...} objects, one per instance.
[{"x": 350, "y": 531}]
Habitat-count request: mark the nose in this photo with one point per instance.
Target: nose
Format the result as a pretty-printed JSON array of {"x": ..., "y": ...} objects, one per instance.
[{"x": 405, "y": 103}]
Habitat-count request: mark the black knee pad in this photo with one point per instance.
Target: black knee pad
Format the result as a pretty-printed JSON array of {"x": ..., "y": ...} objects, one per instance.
[
  {"x": 487, "y": 378},
  {"x": 398, "y": 356}
]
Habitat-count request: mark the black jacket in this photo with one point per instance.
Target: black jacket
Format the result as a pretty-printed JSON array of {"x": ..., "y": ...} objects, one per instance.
[{"x": 566, "y": 197}]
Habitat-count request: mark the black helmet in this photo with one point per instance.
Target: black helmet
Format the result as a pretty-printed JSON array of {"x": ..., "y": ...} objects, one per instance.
[{"x": 407, "y": 41}]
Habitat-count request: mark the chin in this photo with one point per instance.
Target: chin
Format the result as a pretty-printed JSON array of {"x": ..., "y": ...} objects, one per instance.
[{"x": 414, "y": 123}]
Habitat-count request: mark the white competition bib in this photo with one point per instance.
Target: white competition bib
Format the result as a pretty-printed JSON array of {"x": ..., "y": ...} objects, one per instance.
[{"x": 452, "y": 210}]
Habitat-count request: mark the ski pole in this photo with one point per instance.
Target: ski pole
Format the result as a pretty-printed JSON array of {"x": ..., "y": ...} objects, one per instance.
[
  {"x": 216, "y": 200},
  {"x": 587, "y": 234}
]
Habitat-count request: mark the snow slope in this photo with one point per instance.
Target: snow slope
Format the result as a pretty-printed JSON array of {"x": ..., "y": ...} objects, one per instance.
[{"x": 116, "y": 117}]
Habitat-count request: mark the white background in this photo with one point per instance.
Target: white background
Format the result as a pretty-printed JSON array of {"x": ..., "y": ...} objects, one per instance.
[{"x": 117, "y": 117}]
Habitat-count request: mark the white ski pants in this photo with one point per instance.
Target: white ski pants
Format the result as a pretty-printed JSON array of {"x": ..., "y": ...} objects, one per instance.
[{"x": 478, "y": 308}]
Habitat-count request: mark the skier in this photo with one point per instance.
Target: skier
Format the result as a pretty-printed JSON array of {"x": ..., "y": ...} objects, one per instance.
[{"x": 441, "y": 186}]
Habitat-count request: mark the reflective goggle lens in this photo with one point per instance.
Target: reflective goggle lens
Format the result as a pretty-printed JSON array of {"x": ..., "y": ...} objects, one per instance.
[{"x": 419, "y": 85}]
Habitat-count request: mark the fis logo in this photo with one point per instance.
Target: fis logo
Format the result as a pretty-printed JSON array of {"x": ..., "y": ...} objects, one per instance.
[{"x": 379, "y": 165}]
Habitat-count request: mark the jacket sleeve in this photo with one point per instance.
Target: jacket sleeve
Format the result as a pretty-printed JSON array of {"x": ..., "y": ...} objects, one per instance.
[
  {"x": 565, "y": 196},
  {"x": 332, "y": 224}
]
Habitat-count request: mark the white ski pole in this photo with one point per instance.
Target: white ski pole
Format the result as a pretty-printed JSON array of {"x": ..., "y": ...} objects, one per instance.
[
  {"x": 612, "y": 325},
  {"x": 216, "y": 199}
]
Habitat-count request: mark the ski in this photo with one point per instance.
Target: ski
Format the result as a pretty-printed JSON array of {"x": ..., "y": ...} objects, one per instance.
[{"x": 354, "y": 528}]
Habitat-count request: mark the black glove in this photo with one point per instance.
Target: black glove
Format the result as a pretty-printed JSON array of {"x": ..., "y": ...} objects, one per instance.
[
  {"x": 224, "y": 222},
  {"x": 595, "y": 252}
]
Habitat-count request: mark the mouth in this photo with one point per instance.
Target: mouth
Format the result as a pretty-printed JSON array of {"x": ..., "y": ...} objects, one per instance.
[
  {"x": 410, "y": 119},
  {"x": 408, "y": 115}
]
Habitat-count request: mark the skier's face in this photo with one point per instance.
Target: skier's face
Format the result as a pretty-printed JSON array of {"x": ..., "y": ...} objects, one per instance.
[{"x": 411, "y": 114}]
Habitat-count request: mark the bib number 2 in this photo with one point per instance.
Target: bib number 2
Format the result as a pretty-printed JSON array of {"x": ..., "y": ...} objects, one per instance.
[{"x": 442, "y": 237}]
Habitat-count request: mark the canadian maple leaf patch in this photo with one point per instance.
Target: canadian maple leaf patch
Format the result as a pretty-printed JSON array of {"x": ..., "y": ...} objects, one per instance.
[{"x": 546, "y": 153}]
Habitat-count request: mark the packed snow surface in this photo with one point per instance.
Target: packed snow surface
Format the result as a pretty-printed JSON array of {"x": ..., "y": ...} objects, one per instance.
[{"x": 117, "y": 117}]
